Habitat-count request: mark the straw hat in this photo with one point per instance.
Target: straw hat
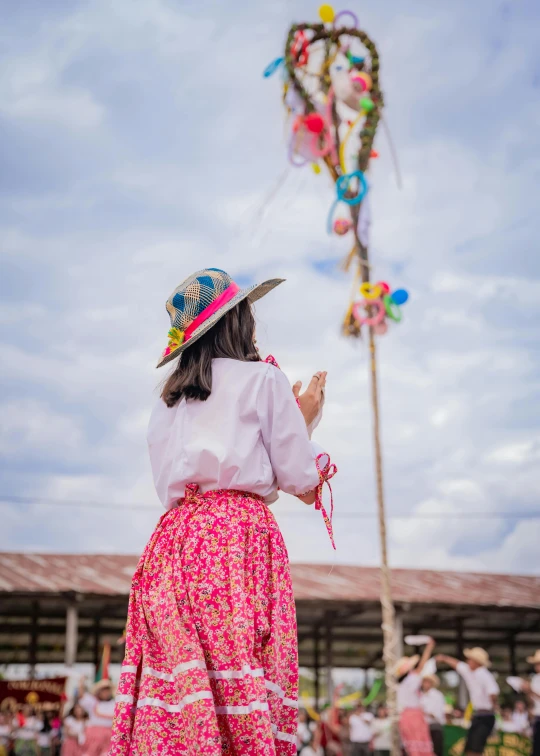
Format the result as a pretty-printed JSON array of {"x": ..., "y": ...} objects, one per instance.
[
  {"x": 434, "y": 679},
  {"x": 478, "y": 655},
  {"x": 200, "y": 301},
  {"x": 101, "y": 685},
  {"x": 405, "y": 664},
  {"x": 535, "y": 659}
]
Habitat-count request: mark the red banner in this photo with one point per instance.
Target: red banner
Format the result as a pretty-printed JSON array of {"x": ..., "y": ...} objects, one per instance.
[{"x": 41, "y": 694}]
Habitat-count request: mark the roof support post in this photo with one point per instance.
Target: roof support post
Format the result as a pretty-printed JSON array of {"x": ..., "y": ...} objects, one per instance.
[
  {"x": 329, "y": 660},
  {"x": 33, "y": 645},
  {"x": 97, "y": 644},
  {"x": 72, "y": 635},
  {"x": 512, "y": 655},
  {"x": 317, "y": 667}
]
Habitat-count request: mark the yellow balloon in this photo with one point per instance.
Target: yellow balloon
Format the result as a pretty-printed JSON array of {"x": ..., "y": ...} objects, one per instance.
[
  {"x": 326, "y": 14},
  {"x": 369, "y": 291},
  {"x": 316, "y": 168}
]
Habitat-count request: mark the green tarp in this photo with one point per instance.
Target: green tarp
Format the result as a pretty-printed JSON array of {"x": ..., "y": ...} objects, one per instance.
[{"x": 499, "y": 744}]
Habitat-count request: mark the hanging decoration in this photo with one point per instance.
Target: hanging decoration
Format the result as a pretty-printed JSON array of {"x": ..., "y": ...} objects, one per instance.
[
  {"x": 334, "y": 103},
  {"x": 333, "y": 100}
]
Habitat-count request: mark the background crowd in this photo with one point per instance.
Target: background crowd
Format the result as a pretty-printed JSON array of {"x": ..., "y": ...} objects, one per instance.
[
  {"x": 365, "y": 731},
  {"x": 83, "y": 729}
]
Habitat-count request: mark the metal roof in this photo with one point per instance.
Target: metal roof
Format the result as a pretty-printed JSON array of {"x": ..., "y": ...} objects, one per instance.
[{"x": 110, "y": 575}]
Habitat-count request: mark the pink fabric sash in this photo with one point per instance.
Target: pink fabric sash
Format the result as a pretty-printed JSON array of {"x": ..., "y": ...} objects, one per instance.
[{"x": 216, "y": 305}]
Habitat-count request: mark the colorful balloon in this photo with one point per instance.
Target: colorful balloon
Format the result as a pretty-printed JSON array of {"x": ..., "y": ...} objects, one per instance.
[
  {"x": 362, "y": 80},
  {"x": 370, "y": 291},
  {"x": 273, "y": 67},
  {"x": 367, "y": 104},
  {"x": 326, "y": 14},
  {"x": 342, "y": 187},
  {"x": 350, "y": 14},
  {"x": 400, "y": 296},
  {"x": 375, "y": 319},
  {"x": 314, "y": 122},
  {"x": 392, "y": 309},
  {"x": 342, "y": 226}
]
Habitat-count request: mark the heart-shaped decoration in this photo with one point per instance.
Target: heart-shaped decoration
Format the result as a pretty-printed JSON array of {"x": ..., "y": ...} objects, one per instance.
[{"x": 349, "y": 78}]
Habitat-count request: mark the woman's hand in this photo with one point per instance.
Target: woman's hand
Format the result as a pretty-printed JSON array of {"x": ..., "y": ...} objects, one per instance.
[{"x": 310, "y": 401}]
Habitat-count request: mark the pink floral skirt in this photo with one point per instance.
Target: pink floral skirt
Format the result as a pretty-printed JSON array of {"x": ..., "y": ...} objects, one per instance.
[
  {"x": 72, "y": 747},
  {"x": 211, "y": 662},
  {"x": 97, "y": 741},
  {"x": 414, "y": 733}
]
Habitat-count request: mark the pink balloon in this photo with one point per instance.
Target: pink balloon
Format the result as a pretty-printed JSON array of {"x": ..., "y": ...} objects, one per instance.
[{"x": 376, "y": 319}]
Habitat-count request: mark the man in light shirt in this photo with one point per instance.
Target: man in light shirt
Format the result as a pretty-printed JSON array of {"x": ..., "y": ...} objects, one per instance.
[
  {"x": 483, "y": 692},
  {"x": 361, "y": 731},
  {"x": 520, "y": 717},
  {"x": 434, "y": 707},
  {"x": 382, "y": 733}
]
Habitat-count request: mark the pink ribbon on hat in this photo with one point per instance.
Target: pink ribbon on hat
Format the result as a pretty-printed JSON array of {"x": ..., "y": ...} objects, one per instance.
[{"x": 212, "y": 308}]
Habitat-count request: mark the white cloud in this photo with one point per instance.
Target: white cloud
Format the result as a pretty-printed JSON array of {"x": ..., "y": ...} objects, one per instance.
[{"x": 175, "y": 147}]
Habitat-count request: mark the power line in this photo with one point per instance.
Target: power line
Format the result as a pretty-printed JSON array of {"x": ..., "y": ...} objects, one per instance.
[{"x": 127, "y": 507}]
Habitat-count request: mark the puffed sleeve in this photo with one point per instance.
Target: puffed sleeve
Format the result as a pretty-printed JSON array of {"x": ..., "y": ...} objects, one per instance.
[{"x": 285, "y": 436}]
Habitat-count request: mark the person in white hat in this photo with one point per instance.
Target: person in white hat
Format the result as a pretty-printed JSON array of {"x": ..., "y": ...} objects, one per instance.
[
  {"x": 413, "y": 728},
  {"x": 532, "y": 690},
  {"x": 434, "y": 707},
  {"x": 99, "y": 704},
  {"x": 483, "y": 692}
]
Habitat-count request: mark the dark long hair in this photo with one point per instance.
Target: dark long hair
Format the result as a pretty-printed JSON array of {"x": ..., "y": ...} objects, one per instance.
[{"x": 233, "y": 336}]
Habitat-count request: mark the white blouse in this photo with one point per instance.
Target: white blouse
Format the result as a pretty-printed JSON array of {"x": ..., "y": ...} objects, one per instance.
[
  {"x": 100, "y": 713},
  {"x": 408, "y": 692},
  {"x": 249, "y": 435}
]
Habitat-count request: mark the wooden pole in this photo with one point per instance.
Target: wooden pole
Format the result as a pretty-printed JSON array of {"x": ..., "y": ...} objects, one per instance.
[{"x": 387, "y": 604}]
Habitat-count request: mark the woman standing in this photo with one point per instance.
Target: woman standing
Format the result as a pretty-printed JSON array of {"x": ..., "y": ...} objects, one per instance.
[
  {"x": 211, "y": 662},
  {"x": 413, "y": 728},
  {"x": 99, "y": 705},
  {"x": 74, "y": 731}
]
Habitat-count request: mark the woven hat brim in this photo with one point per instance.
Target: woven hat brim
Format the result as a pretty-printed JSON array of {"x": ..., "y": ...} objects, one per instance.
[
  {"x": 484, "y": 661},
  {"x": 101, "y": 684},
  {"x": 253, "y": 293},
  {"x": 405, "y": 664},
  {"x": 535, "y": 659}
]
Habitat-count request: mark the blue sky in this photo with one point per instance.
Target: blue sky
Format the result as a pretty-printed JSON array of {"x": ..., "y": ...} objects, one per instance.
[{"x": 139, "y": 142}]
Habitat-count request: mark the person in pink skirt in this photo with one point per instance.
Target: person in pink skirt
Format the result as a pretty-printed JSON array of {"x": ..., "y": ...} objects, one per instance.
[
  {"x": 74, "y": 731},
  {"x": 99, "y": 705},
  {"x": 413, "y": 728},
  {"x": 211, "y": 659}
]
